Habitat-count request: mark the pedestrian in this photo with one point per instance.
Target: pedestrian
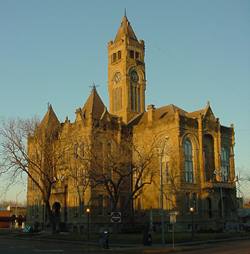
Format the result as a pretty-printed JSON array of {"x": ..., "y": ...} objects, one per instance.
[
  {"x": 105, "y": 239},
  {"x": 149, "y": 240}
]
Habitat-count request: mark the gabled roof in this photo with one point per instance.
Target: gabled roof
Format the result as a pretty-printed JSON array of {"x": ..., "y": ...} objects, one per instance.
[
  {"x": 205, "y": 112},
  {"x": 168, "y": 110},
  {"x": 94, "y": 106},
  {"x": 196, "y": 114},
  {"x": 159, "y": 114},
  {"x": 125, "y": 30},
  {"x": 50, "y": 120}
]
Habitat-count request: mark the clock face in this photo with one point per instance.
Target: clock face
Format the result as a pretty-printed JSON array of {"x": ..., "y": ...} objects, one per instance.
[
  {"x": 134, "y": 76},
  {"x": 117, "y": 77}
]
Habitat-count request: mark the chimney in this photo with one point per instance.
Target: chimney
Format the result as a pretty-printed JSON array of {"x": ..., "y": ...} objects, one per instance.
[{"x": 150, "y": 109}]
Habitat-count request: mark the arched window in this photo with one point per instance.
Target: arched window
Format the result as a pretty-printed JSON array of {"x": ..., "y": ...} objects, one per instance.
[
  {"x": 188, "y": 161},
  {"x": 134, "y": 91},
  {"x": 225, "y": 163}
]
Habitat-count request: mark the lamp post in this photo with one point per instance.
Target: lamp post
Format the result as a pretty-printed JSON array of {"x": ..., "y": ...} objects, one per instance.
[
  {"x": 161, "y": 192},
  {"x": 191, "y": 209},
  {"x": 173, "y": 215},
  {"x": 88, "y": 221}
]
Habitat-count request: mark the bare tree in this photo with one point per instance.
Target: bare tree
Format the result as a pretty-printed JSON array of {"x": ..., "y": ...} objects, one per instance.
[
  {"x": 144, "y": 168},
  {"x": 172, "y": 181},
  {"x": 77, "y": 170},
  {"x": 27, "y": 149},
  {"x": 121, "y": 170}
]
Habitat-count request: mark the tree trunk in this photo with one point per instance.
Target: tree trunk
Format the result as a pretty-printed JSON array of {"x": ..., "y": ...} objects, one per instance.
[{"x": 50, "y": 216}]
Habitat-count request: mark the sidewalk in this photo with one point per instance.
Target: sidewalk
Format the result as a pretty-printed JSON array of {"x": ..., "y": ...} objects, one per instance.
[{"x": 116, "y": 246}]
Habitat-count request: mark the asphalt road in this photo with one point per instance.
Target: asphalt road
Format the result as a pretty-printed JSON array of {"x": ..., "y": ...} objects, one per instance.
[
  {"x": 31, "y": 246},
  {"x": 228, "y": 247}
]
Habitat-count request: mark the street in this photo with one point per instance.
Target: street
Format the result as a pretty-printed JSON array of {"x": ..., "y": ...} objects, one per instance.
[
  {"x": 227, "y": 247},
  {"x": 31, "y": 246},
  {"x": 28, "y": 246}
]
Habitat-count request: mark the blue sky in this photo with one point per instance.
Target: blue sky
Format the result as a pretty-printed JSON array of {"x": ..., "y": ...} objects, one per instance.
[{"x": 196, "y": 51}]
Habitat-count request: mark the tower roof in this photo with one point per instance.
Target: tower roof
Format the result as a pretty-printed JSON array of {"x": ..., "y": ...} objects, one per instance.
[
  {"x": 50, "y": 117},
  {"x": 50, "y": 121},
  {"x": 125, "y": 30},
  {"x": 94, "y": 105}
]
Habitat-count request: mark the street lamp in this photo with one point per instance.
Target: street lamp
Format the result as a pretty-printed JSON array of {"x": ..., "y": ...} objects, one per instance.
[
  {"x": 88, "y": 222},
  {"x": 161, "y": 191},
  {"x": 172, "y": 218},
  {"x": 191, "y": 209}
]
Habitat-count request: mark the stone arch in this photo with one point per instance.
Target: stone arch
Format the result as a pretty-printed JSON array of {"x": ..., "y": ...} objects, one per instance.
[{"x": 141, "y": 74}]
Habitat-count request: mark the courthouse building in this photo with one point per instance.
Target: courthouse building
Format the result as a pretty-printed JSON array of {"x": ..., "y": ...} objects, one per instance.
[{"x": 195, "y": 153}]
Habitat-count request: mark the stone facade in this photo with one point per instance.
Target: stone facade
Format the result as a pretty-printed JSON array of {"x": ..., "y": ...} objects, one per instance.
[{"x": 194, "y": 162}]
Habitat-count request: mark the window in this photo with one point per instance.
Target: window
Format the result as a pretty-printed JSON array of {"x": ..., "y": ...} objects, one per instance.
[
  {"x": 208, "y": 148},
  {"x": 132, "y": 54},
  {"x": 137, "y": 55},
  {"x": 76, "y": 151},
  {"x": 208, "y": 208},
  {"x": 225, "y": 163},
  {"x": 82, "y": 150},
  {"x": 119, "y": 54},
  {"x": 188, "y": 163},
  {"x": 114, "y": 57},
  {"x": 135, "y": 91},
  {"x": 187, "y": 201}
]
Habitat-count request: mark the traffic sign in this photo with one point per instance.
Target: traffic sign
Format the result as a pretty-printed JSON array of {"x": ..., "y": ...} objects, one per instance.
[
  {"x": 116, "y": 217},
  {"x": 173, "y": 217}
]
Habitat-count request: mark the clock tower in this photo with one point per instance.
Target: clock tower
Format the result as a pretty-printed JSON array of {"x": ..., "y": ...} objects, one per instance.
[{"x": 126, "y": 73}]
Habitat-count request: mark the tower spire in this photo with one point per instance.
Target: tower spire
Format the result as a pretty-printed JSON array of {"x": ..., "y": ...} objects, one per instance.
[
  {"x": 126, "y": 73},
  {"x": 125, "y": 30},
  {"x": 125, "y": 12}
]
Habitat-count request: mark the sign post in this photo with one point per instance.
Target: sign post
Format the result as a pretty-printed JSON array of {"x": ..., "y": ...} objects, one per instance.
[{"x": 173, "y": 221}]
